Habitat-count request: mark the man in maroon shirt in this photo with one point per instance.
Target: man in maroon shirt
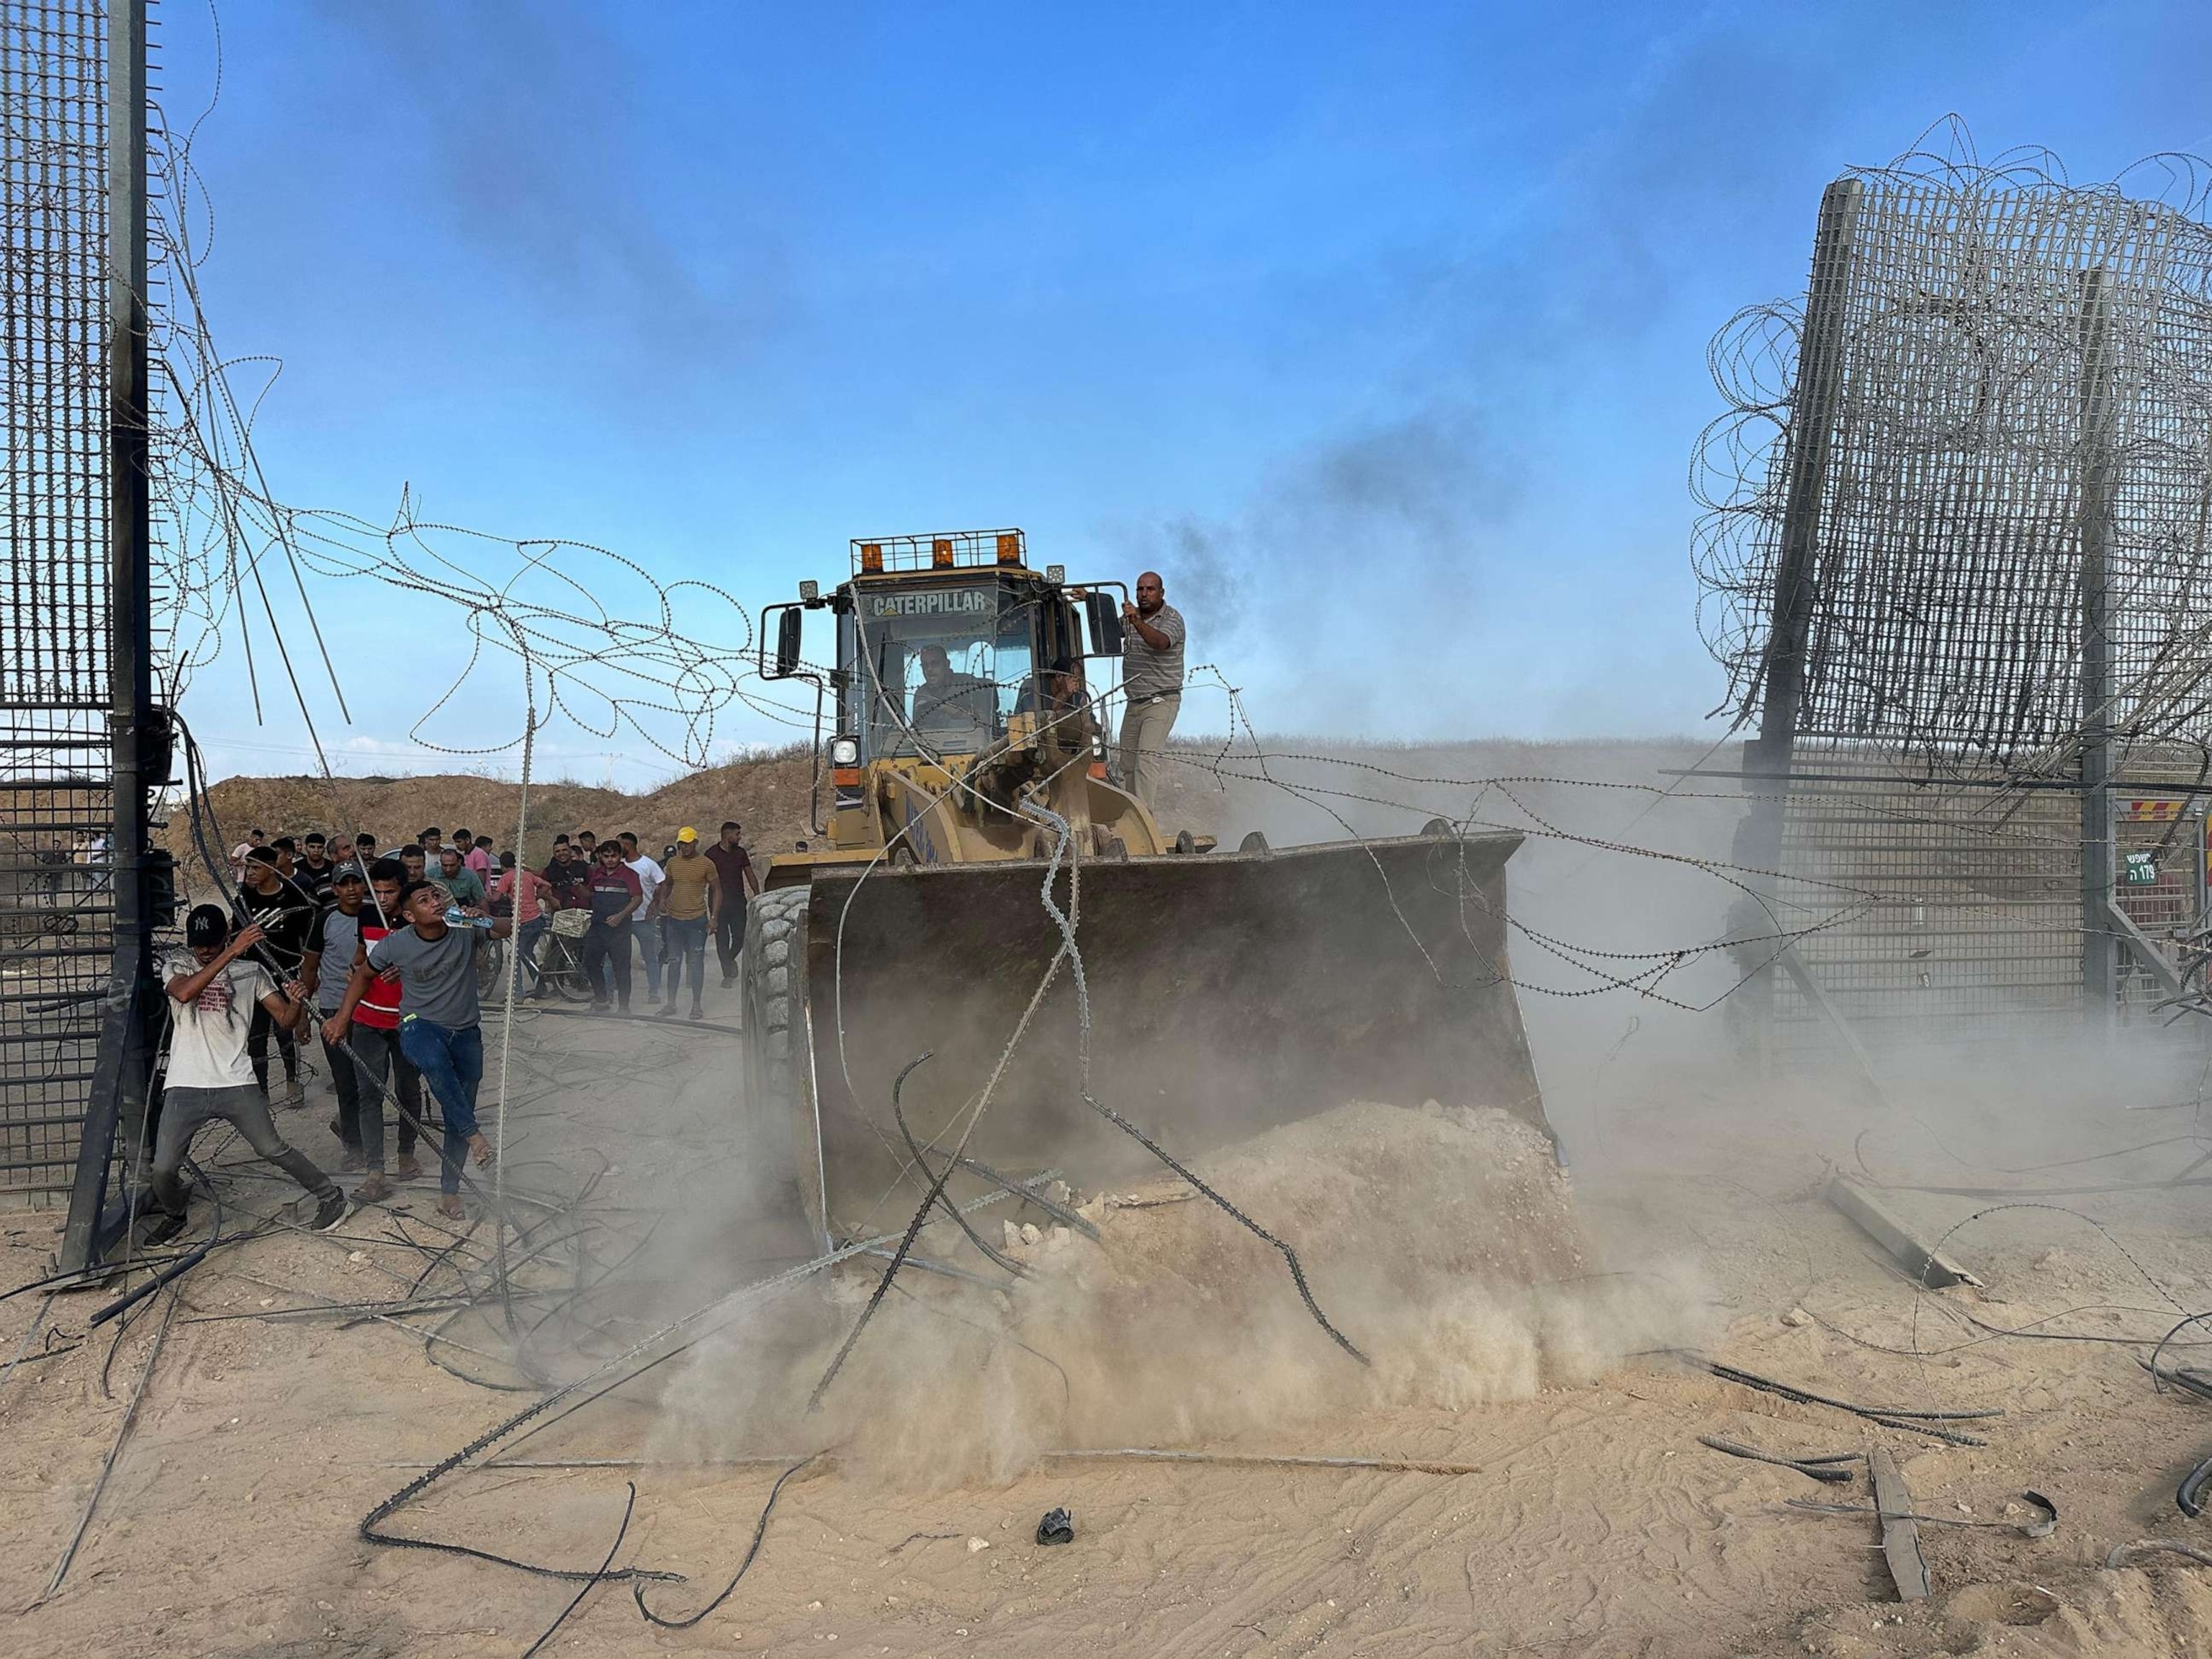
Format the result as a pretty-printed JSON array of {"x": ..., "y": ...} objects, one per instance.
[
  {"x": 616, "y": 894},
  {"x": 735, "y": 867}
]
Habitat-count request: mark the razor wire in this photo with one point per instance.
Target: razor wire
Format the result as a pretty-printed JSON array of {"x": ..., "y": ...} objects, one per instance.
[
  {"x": 2004, "y": 334},
  {"x": 600, "y": 628}
]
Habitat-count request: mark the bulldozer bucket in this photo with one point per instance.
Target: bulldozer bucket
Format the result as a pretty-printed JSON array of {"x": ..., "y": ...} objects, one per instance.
[{"x": 1219, "y": 994}]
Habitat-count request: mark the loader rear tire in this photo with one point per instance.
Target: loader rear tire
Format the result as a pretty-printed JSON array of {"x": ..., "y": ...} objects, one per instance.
[{"x": 779, "y": 1065}]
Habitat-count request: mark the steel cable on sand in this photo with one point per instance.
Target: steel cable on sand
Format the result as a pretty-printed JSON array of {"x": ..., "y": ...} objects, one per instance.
[
  {"x": 973, "y": 1113},
  {"x": 612, "y": 1373},
  {"x": 514, "y": 970}
]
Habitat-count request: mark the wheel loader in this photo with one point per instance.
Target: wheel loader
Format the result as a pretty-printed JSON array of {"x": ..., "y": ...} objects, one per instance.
[{"x": 973, "y": 830}]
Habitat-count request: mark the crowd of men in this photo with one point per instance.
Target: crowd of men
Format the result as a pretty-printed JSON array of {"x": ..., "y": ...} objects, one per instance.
[
  {"x": 667, "y": 907},
  {"x": 375, "y": 954},
  {"x": 654, "y": 912}
]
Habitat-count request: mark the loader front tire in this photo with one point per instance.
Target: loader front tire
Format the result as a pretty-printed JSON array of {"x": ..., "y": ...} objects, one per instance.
[{"x": 779, "y": 1068}]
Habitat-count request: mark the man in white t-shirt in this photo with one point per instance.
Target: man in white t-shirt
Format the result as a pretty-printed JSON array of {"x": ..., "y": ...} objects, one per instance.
[
  {"x": 649, "y": 876},
  {"x": 214, "y": 988}
]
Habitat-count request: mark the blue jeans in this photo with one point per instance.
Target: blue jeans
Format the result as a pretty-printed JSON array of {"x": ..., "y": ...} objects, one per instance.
[
  {"x": 686, "y": 941},
  {"x": 648, "y": 952},
  {"x": 525, "y": 938},
  {"x": 452, "y": 1063}
]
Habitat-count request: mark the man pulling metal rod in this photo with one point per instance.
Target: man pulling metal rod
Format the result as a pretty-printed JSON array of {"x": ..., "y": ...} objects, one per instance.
[
  {"x": 435, "y": 956},
  {"x": 215, "y": 993}
]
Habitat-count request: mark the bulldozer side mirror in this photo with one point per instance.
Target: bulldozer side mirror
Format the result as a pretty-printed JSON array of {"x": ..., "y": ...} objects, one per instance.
[
  {"x": 1105, "y": 623},
  {"x": 788, "y": 636}
]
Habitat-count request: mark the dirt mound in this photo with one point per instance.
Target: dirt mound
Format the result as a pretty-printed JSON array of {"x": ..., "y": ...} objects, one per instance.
[
  {"x": 1405, "y": 1202},
  {"x": 1440, "y": 1242},
  {"x": 769, "y": 793}
]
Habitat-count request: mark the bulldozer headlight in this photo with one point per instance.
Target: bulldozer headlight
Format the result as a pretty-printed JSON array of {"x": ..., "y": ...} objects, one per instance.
[
  {"x": 1055, "y": 573},
  {"x": 844, "y": 752},
  {"x": 809, "y": 591}
]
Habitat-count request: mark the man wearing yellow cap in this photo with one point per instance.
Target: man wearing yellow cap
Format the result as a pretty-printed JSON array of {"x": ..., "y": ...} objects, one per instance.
[{"x": 690, "y": 894}]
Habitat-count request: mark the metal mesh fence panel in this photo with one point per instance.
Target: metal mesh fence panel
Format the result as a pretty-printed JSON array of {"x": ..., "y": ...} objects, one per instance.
[
  {"x": 1949, "y": 911},
  {"x": 56, "y": 938},
  {"x": 1942, "y": 912},
  {"x": 2006, "y": 340},
  {"x": 53, "y": 266},
  {"x": 56, "y": 801}
]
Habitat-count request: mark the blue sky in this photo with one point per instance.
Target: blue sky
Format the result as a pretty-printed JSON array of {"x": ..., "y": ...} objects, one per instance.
[{"x": 1380, "y": 330}]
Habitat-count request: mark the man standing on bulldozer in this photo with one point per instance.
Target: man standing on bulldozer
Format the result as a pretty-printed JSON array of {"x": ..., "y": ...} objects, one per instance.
[{"x": 1152, "y": 679}]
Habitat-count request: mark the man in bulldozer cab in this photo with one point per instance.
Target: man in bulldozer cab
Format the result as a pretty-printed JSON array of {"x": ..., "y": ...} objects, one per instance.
[{"x": 947, "y": 703}]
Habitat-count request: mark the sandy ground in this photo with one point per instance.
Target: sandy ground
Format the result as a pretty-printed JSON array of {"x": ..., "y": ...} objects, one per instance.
[{"x": 1596, "y": 1524}]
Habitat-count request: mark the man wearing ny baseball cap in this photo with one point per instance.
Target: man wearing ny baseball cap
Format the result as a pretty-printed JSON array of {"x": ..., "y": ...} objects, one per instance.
[
  {"x": 690, "y": 893},
  {"x": 214, "y": 986}
]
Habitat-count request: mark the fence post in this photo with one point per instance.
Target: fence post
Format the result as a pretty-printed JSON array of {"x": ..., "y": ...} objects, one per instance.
[
  {"x": 2099, "y": 947},
  {"x": 1814, "y": 402},
  {"x": 119, "y": 1075}
]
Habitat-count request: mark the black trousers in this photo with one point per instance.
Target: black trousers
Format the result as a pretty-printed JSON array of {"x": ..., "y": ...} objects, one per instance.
[
  {"x": 257, "y": 1048},
  {"x": 730, "y": 935},
  {"x": 610, "y": 947},
  {"x": 360, "y": 1099}
]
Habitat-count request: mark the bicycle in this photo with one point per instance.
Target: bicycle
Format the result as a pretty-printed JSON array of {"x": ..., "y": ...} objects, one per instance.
[
  {"x": 560, "y": 957},
  {"x": 491, "y": 968}
]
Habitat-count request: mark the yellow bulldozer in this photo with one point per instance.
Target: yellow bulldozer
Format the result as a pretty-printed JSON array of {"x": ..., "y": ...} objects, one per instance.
[{"x": 973, "y": 831}]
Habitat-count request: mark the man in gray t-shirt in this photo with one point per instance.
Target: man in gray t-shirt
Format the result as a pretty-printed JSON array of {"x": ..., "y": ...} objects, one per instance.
[
  {"x": 438, "y": 1031},
  {"x": 335, "y": 939},
  {"x": 437, "y": 975},
  {"x": 1151, "y": 680}
]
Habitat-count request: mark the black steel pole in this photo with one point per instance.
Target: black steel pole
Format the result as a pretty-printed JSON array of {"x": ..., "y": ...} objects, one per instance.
[
  {"x": 1812, "y": 434},
  {"x": 2100, "y": 942},
  {"x": 119, "y": 1075},
  {"x": 1813, "y": 407}
]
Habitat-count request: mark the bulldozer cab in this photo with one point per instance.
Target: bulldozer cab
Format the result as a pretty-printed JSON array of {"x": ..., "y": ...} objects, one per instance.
[
  {"x": 949, "y": 667},
  {"x": 954, "y": 661}
]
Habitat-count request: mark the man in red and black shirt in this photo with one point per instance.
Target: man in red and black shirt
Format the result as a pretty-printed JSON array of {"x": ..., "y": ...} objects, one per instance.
[
  {"x": 616, "y": 894},
  {"x": 735, "y": 867},
  {"x": 374, "y": 1030}
]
